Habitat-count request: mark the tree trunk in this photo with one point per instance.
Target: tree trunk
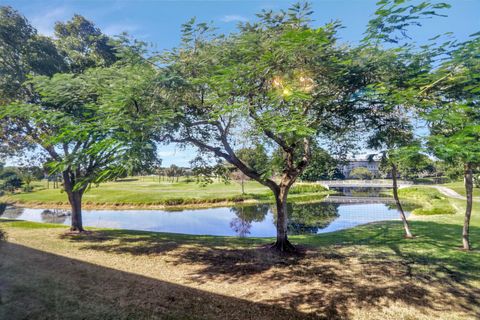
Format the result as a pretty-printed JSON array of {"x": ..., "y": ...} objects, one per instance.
[
  {"x": 282, "y": 244},
  {"x": 75, "y": 200},
  {"x": 468, "y": 211},
  {"x": 406, "y": 227},
  {"x": 243, "y": 186}
]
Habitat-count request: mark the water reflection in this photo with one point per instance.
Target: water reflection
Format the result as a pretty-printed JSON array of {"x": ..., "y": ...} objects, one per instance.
[
  {"x": 303, "y": 218},
  {"x": 311, "y": 217},
  {"x": 244, "y": 221},
  {"x": 55, "y": 215},
  {"x": 361, "y": 191},
  {"x": 245, "y": 215},
  {"x": 11, "y": 212}
]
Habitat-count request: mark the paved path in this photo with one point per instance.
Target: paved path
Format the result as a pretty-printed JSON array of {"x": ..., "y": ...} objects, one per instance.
[{"x": 452, "y": 193}]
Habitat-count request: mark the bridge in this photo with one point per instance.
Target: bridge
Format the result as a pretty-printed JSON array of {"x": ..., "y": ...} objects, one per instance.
[
  {"x": 383, "y": 183},
  {"x": 346, "y": 199}
]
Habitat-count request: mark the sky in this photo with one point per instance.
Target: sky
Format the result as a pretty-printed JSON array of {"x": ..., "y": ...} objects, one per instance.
[{"x": 158, "y": 22}]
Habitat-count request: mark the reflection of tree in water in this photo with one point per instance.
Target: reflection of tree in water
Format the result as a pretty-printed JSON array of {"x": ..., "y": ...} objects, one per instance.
[
  {"x": 311, "y": 217},
  {"x": 361, "y": 191},
  {"x": 245, "y": 216},
  {"x": 3, "y": 206},
  {"x": 407, "y": 206},
  {"x": 55, "y": 215},
  {"x": 10, "y": 212}
]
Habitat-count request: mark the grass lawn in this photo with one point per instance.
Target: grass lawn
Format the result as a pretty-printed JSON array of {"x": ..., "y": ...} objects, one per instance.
[
  {"x": 148, "y": 191},
  {"x": 430, "y": 200},
  {"x": 368, "y": 272},
  {"x": 459, "y": 187}
]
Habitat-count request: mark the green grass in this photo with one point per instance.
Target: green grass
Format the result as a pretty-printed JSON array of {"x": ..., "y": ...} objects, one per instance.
[
  {"x": 145, "y": 191},
  {"x": 429, "y": 200},
  {"x": 459, "y": 187}
]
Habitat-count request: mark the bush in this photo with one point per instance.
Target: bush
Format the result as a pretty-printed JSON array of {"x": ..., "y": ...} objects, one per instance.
[
  {"x": 361, "y": 173},
  {"x": 307, "y": 188},
  {"x": 12, "y": 183},
  {"x": 433, "y": 211},
  {"x": 423, "y": 181},
  {"x": 27, "y": 188}
]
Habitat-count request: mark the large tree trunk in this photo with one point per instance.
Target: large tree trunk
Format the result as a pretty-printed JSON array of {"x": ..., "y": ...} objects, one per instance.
[
  {"x": 282, "y": 244},
  {"x": 406, "y": 227},
  {"x": 75, "y": 200},
  {"x": 468, "y": 211}
]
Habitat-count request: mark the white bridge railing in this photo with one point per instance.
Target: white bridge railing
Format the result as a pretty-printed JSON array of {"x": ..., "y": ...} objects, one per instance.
[{"x": 362, "y": 183}]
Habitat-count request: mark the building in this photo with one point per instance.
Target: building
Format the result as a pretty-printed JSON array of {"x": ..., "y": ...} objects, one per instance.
[{"x": 350, "y": 164}]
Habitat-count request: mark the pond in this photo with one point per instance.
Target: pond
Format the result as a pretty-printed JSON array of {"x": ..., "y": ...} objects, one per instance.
[
  {"x": 362, "y": 191},
  {"x": 244, "y": 221}
]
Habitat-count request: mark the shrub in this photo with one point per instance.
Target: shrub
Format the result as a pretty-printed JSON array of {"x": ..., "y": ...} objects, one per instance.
[
  {"x": 307, "y": 188},
  {"x": 361, "y": 173},
  {"x": 12, "y": 183},
  {"x": 434, "y": 211}
]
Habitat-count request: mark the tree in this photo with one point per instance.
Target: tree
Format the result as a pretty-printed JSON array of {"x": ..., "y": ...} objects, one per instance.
[
  {"x": 84, "y": 45},
  {"x": 390, "y": 97},
  {"x": 12, "y": 183},
  {"x": 22, "y": 53},
  {"x": 238, "y": 175},
  {"x": 322, "y": 166},
  {"x": 88, "y": 136},
  {"x": 278, "y": 81},
  {"x": 255, "y": 157},
  {"x": 88, "y": 121},
  {"x": 361, "y": 173},
  {"x": 451, "y": 101}
]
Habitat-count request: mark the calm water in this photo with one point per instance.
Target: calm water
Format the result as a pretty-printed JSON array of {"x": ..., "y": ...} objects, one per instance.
[
  {"x": 245, "y": 221},
  {"x": 361, "y": 192}
]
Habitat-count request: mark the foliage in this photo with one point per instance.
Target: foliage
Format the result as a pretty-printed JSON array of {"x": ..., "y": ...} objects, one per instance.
[
  {"x": 393, "y": 18},
  {"x": 280, "y": 82},
  {"x": 255, "y": 157},
  {"x": 434, "y": 211},
  {"x": 361, "y": 173},
  {"x": 205, "y": 173},
  {"x": 476, "y": 180},
  {"x": 83, "y": 45},
  {"x": 322, "y": 166},
  {"x": 11, "y": 183},
  {"x": 451, "y": 105}
]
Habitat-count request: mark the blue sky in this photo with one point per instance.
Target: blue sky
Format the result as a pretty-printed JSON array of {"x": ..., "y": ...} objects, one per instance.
[{"x": 158, "y": 22}]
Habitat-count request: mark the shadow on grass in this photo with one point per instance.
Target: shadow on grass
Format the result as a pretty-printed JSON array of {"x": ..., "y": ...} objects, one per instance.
[
  {"x": 369, "y": 266},
  {"x": 39, "y": 285}
]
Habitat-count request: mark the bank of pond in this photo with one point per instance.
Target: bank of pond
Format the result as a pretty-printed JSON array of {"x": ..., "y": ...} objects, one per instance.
[{"x": 251, "y": 220}]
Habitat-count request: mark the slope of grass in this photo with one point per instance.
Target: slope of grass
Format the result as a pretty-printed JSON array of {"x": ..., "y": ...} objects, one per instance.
[
  {"x": 148, "y": 191},
  {"x": 430, "y": 200}
]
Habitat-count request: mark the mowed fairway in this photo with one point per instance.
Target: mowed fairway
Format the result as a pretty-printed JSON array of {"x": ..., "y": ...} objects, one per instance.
[
  {"x": 146, "y": 191},
  {"x": 150, "y": 192},
  {"x": 365, "y": 273}
]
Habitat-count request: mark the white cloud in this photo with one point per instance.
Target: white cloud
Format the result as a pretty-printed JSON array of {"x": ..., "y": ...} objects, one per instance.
[
  {"x": 234, "y": 18},
  {"x": 44, "y": 22},
  {"x": 116, "y": 29}
]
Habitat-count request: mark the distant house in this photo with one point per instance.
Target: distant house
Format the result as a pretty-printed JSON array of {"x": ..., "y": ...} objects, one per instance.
[{"x": 349, "y": 165}]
